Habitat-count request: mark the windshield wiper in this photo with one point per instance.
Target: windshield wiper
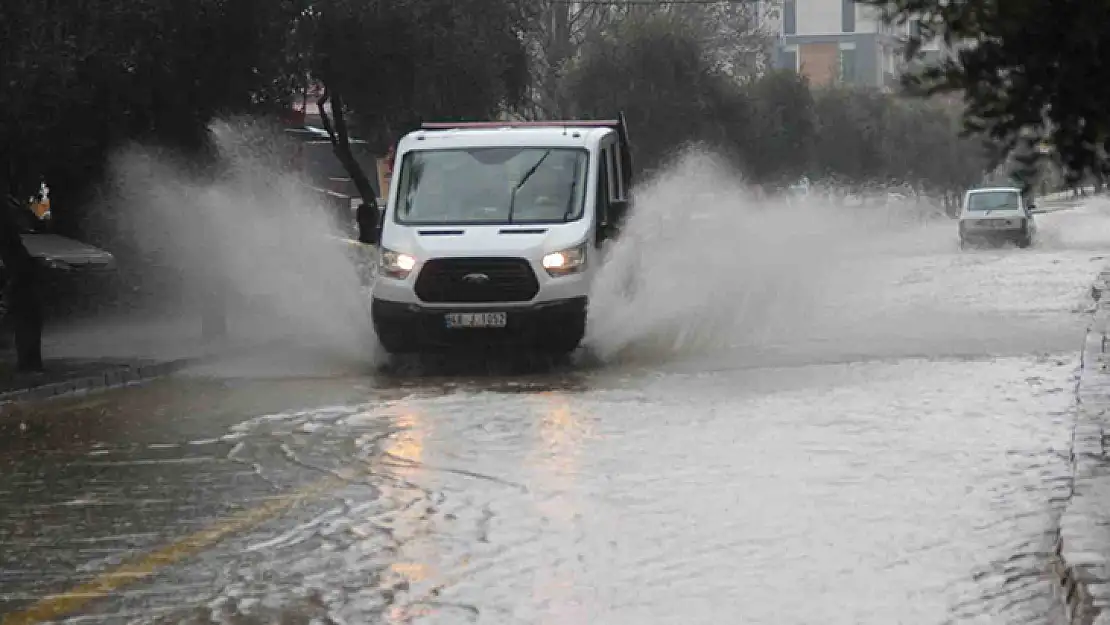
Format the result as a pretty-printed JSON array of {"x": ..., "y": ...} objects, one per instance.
[
  {"x": 570, "y": 200},
  {"x": 527, "y": 175}
]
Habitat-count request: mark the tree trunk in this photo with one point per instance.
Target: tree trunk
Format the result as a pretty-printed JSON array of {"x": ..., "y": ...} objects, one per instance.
[
  {"x": 21, "y": 288},
  {"x": 341, "y": 144}
]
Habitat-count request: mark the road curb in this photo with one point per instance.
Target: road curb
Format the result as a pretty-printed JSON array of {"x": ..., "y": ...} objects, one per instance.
[
  {"x": 119, "y": 376},
  {"x": 1079, "y": 564}
]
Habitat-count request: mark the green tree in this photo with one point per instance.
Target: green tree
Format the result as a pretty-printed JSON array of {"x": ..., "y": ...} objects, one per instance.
[
  {"x": 655, "y": 69},
  {"x": 47, "y": 63},
  {"x": 1022, "y": 66},
  {"x": 782, "y": 129},
  {"x": 93, "y": 74},
  {"x": 556, "y": 31},
  {"x": 844, "y": 150}
]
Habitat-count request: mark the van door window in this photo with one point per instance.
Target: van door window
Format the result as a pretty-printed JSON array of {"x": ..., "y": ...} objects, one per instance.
[
  {"x": 612, "y": 173},
  {"x": 603, "y": 194},
  {"x": 620, "y": 194}
]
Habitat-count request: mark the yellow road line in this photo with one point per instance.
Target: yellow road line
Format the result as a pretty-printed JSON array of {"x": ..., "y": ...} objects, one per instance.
[{"x": 57, "y": 606}]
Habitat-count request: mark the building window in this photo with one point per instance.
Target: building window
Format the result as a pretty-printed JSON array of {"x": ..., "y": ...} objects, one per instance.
[
  {"x": 789, "y": 17},
  {"x": 789, "y": 59},
  {"x": 847, "y": 69},
  {"x": 848, "y": 16},
  {"x": 915, "y": 28}
]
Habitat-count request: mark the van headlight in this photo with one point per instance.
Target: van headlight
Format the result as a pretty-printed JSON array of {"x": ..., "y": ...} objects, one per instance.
[
  {"x": 396, "y": 265},
  {"x": 565, "y": 262}
]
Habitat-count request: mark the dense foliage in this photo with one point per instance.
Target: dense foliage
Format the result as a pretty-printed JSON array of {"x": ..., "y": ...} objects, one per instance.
[{"x": 1027, "y": 69}]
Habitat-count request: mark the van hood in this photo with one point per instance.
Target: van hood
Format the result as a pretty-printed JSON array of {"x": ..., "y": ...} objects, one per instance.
[{"x": 519, "y": 240}]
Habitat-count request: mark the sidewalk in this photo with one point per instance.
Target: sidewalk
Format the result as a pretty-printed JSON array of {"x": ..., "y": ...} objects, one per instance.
[
  {"x": 1082, "y": 563},
  {"x": 114, "y": 352}
]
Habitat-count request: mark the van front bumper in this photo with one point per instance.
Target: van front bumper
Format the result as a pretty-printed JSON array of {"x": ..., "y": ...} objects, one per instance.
[{"x": 403, "y": 327}]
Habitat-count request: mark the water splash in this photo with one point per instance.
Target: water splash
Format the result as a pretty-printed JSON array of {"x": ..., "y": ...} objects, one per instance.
[
  {"x": 253, "y": 228},
  {"x": 710, "y": 269},
  {"x": 706, "y": 264}
]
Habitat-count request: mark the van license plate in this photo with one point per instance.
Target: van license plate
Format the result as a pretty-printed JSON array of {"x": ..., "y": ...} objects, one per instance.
[
  {"x": 477, "y": 320},
  {"x": 997, "y": 224}
]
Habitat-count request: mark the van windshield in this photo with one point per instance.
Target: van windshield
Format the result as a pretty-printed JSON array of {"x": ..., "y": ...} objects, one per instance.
[
  {"x": 994, "y": 200},
  {"x": 491, "y": 186}
]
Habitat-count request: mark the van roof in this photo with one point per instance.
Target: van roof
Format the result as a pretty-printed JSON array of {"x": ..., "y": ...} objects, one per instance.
[
  {"x": 994, "y": 190},
  {"x": 505, "y": 136}
]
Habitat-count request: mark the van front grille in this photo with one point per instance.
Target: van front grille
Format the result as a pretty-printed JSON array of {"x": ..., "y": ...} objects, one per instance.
[{"x": 476, "y": 280}]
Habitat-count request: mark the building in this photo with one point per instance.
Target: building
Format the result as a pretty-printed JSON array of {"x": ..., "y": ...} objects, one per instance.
[{"x": 839, "y": 41}]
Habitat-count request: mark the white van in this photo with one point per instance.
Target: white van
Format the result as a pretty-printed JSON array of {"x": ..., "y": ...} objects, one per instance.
[{"x": 492, "y": 233}]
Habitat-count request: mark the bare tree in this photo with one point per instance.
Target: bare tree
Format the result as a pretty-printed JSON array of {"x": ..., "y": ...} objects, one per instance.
[
  {"x": 557, "y": 29},
  {"x": 739, "y": 36}
]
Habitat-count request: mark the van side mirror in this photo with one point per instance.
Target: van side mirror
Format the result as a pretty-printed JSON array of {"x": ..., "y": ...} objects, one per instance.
[{"x": 367, "y": 217}]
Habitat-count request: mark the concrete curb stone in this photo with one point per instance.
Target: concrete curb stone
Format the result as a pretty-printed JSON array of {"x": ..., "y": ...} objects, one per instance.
[
  {"x": 1080, "y": 566},
  {"x": 119, "y": 376}
]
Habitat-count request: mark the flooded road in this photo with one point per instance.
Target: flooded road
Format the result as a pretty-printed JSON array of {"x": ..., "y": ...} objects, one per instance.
[{"x": 886, "y": 443}]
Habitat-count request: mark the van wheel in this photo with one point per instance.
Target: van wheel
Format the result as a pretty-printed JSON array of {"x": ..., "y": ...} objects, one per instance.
[
  {"x": 1025, "y": 241},
  {"x": 393, "y": 339}
]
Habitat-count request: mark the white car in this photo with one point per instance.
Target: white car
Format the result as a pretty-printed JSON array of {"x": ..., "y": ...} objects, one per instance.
[{"x": 997, "y": 214}]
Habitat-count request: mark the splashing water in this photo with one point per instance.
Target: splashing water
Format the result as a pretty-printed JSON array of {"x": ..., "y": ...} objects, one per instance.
[
  {"x": 704, "y": 264},
  {"x": 707, "y": 269},
  {"x": 257, "y": 230}
]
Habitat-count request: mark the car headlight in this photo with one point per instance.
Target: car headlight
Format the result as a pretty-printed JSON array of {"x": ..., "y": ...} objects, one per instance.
[
  {"x": 396, "y": 265},
  {"x": 566, "y": 262}
]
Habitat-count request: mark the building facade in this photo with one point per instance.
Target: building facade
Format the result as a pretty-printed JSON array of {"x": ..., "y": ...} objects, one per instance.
[{"x": 840, "y": 41}]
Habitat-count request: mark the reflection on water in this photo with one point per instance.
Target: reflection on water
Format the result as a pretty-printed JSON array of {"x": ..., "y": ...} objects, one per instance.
[
  {"x": 562, "y": 430},
  {"x": 555, "y": 460},
  {"x": 402, "y": 458},
  {"x": 405, "y": 448}
]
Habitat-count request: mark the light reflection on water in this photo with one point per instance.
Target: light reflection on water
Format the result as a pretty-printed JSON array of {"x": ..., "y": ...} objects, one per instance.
[{"x": 879, "y": 493}]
